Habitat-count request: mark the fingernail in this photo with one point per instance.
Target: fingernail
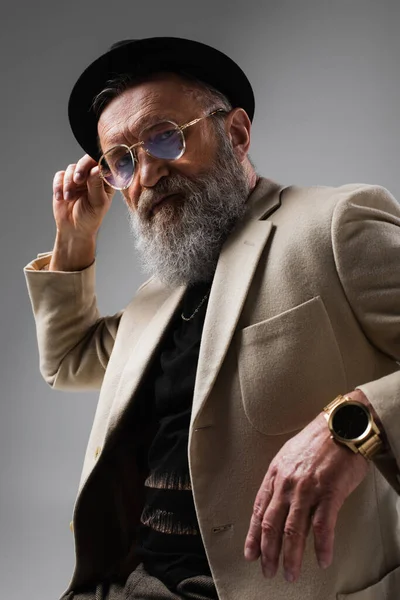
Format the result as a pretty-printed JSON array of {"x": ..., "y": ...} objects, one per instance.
[
  {"x": 78, "y": 175},
  {"x": 67, "y": 196},
  {"x": 324, "y": 564},
  {"x": 248, "y": 553},
  {"x": 268, "y": 572},
  {"x": 267, "y": 568},
  {"x": 58, "y": 196},
  {"x": 289, "y": 576}
]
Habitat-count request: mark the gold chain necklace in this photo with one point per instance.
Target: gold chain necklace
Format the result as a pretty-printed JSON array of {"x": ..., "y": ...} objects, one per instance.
[{"x": 197, "y": 309}]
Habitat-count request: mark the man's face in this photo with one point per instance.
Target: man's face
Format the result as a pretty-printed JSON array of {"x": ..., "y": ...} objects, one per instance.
[
  {"x": 161, "y": 98},
  {"x": 179, "y": 240}
]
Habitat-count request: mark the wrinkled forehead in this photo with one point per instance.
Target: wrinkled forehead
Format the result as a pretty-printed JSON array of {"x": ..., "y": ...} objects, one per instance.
[{"x": 163, "y": 96}]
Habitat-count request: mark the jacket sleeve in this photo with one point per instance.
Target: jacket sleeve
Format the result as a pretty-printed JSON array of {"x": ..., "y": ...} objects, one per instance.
[
  {"x": 366, "y": 246},
  {"x": 74, "y": 342}
]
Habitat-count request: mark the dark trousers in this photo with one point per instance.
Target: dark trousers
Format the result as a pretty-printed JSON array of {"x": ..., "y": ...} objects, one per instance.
[{"x": 142, "y": 586}]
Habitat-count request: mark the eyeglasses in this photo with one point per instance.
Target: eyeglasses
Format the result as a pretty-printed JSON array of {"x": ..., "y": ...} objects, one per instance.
[{"x": 164, "y": 140}]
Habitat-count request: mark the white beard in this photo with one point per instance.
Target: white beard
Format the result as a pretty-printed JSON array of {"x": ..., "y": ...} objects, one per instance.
[{"x": 181, "y": 243}]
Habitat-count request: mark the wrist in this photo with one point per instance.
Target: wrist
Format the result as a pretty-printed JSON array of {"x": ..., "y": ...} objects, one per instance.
[
  {"x": 72, "y": 253},
  {"x": 361, "y": 397}
]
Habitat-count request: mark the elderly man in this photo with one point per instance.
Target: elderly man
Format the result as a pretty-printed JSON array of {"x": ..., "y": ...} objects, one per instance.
[{"x": 246, "y": 442}]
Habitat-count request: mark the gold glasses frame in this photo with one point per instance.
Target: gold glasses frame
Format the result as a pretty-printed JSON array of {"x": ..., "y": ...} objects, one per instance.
[{"x": 130, "y": 149}]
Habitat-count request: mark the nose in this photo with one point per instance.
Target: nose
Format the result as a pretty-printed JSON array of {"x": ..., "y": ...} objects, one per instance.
[{"x": 148, "y": 172}]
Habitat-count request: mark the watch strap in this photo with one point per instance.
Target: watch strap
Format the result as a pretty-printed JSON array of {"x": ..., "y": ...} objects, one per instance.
[
  {"x": 338, "y": 400},
  {"x": 371, "y": 447}
]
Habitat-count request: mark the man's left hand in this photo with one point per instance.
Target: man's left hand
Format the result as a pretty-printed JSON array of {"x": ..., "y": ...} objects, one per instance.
[{"x": 306, "y": 484}]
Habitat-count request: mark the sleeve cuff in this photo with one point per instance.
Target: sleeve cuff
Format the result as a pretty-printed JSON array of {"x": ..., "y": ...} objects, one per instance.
[{"x": 42, "y": 262}]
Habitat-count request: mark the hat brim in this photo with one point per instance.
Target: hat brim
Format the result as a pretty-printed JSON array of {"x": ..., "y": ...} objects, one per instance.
[{"x": 150, "y": 55}]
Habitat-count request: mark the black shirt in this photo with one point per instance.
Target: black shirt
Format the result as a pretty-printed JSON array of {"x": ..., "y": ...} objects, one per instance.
[{"x": 169, "y": 541}]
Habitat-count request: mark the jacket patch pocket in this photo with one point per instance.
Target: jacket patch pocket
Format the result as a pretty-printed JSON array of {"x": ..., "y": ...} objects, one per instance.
[{"x": 290, "y": 367}]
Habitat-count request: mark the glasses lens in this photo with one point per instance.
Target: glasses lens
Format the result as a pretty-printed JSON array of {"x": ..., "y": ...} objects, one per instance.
[
  {"x": 117, "y": 167},
  {"x": 164, "y": 141}
]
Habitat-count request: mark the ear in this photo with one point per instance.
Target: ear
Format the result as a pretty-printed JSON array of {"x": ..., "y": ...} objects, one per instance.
[{"x": 238, "y": 127}]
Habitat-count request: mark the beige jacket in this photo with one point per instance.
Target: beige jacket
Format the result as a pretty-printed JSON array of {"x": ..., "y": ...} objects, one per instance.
[{"x": 305, "y": 305}]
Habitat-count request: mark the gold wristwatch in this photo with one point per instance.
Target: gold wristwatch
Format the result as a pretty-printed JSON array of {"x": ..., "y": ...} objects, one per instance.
[{"x": 352, "y": 424}]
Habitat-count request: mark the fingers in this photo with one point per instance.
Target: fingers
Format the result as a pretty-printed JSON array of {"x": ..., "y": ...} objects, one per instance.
[
  {"x": 272, "y": 528},
  {"x": 58, "y": 185},
  {"x": 97, "y": 187},
  {"x": 280, "y": 524},
  {"x": 64, "y": 187},
  {"x": 83, "y": 168},
  {"x": 278, "y": 521},
  {"x": 324, "y": 522},
  {"x": 295, "y": 534},
  {"x": 284, "y": 529},
  {"x": 71, "y": 183},
  {"x": 69, "y": 188},
  {"x": 253, "y": 540}
]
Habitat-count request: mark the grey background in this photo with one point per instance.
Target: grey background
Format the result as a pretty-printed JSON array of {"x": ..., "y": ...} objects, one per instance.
[{"x": 326, "y": 78}]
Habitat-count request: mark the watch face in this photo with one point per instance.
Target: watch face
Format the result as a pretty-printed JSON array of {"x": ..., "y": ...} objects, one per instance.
[{"x": 350, "y": 421}]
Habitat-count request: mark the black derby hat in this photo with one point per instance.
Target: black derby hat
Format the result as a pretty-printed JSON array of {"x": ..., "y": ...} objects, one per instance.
[{"x": 150, "y": 55}]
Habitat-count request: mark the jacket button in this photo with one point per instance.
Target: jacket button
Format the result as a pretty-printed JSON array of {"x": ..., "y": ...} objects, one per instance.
[
  {"x": 97, "y": 452},
  {"x": 71, "y": 526}
]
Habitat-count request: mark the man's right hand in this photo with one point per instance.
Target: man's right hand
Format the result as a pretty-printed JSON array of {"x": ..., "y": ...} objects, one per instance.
[{"x": 81, "y": 199}]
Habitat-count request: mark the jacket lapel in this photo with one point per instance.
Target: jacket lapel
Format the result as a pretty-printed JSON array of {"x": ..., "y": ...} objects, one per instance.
[
  {"x": 141, "y": 355},
  {"x": 235, "y": 270}
]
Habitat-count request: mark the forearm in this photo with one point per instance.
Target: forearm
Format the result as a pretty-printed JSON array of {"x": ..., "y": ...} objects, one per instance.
[{"x": 74, "y": 341}]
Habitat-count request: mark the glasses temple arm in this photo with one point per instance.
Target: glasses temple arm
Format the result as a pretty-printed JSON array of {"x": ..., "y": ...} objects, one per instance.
[{"x": 182, "y": 127}]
